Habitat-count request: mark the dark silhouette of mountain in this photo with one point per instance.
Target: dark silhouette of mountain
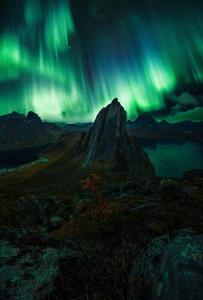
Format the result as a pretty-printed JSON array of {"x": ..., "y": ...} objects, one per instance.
[
  {"x": 18, "y": 131},
  {"x": 78, "y": 127},
  {"x": 107, "y": 141},
  {"x": 188, "y": 126},
  {"x": 144, "y": 120},
  {"x": 12, "y": 116},
  {"x": 33, "y": 117},
  {"x": 146, "y": 127}
]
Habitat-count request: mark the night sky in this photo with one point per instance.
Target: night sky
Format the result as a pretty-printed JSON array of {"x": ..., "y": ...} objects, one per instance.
[{"x": 65, "y": 60}]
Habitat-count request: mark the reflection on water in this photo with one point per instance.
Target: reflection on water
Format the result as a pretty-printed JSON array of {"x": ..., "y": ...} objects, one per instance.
[{"x": 172, "y": 159}]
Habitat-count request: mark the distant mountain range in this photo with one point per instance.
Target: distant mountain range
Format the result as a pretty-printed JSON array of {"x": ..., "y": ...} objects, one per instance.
[
  {"x": 82, "y": 127},
  {"x": 146, "y": 127},
  {"x": 18, "y": 131}
]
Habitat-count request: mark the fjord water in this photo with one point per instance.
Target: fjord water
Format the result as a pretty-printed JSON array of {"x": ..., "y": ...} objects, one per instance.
[
  {"x": 171, "y": 159},
  {"x": 15, "y": 158}
]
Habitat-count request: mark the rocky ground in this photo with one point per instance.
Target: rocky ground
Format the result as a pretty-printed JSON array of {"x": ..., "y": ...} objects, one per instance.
[{"x": 103, "y": 238}]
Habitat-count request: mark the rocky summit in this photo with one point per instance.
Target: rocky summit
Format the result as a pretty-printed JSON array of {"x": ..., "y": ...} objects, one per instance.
[
  {"x": 31, "y": 116},
  {"x": 107, "y": 141}
]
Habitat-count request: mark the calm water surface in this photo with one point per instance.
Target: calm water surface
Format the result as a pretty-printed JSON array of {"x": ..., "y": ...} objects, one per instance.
[
  {"x": 171, "y": 159},
  {"x": 11, "y": 159}
]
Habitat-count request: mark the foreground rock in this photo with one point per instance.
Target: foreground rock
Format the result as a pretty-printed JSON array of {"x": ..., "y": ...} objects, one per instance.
[
  {"x": 29, "y": 272},
  {"x": 171, "y": 268},
  {"x": 32, "y": 275},
  {"x": 107, "y": 141}
]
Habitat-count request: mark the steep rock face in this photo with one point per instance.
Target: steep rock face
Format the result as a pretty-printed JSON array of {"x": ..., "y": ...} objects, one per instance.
[
  {"x": 171, "y": 268},
  {"x": 107, "y": 141}
]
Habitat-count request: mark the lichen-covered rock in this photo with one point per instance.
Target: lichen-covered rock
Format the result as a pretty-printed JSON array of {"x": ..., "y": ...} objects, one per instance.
[
  {"x": 26, "y": 274},
  {"x": 107, "y": 141},
  {"x": 171, "y": 268},
  {"x": 29, "y": 272}
]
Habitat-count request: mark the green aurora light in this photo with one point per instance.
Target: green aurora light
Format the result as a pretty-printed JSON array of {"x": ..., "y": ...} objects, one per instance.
[{"x": 43, "y": 66}]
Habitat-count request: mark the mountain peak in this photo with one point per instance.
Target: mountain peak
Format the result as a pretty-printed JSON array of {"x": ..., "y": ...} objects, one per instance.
[
  {"x": 145, "y": 119},
  {"x": 115, "y": 100},
  {"x": 107, "y": 141},
  {"x": 31, "y": 116},
  {"x": 13, "y": 116}
]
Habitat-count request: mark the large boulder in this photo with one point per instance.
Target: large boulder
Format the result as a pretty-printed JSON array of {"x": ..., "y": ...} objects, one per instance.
[
  {"x": 31, "y": 272},
  {"x": 171, "y": 268},
  {"x": 26, "y": 274},
  {"x": 107, "y": 141}
]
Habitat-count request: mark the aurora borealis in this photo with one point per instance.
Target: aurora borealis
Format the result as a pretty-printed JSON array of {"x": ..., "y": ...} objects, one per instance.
[{"x": 66, "y": 59}]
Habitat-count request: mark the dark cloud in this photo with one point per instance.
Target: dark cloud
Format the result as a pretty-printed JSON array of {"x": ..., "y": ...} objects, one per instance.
[
  {"x": 183, "y": 102},
  {"x": 181, "y": 106},
  {"x": 195, "y": 114}
]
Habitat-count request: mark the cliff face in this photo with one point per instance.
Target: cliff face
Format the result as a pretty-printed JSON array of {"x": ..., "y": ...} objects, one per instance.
[{"x": 107, "y": 141}]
